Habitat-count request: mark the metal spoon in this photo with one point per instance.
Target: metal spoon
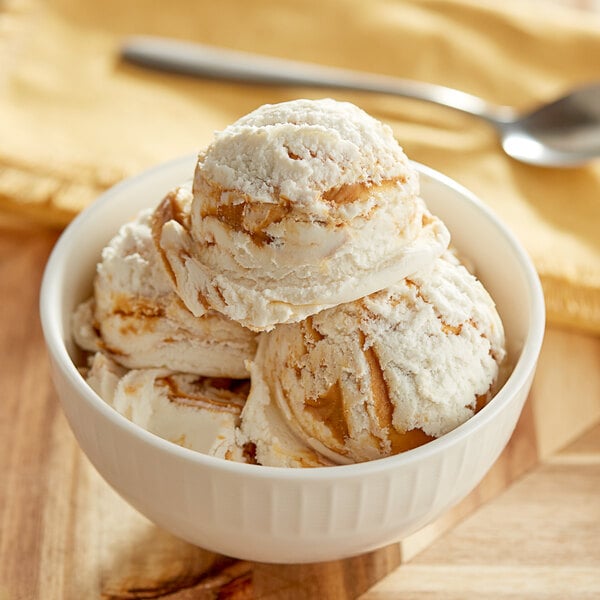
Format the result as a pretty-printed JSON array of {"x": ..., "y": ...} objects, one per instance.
[{"x": 563, "y": 133}]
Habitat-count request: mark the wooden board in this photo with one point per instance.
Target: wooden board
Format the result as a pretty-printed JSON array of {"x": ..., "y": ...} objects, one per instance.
[
  {"x": 65, "y": 534},
  {"x": 539, "y": 539}
]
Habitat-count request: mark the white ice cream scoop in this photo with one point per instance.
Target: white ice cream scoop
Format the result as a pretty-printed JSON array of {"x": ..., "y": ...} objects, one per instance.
[
  {"x": 137, "y": 319},
  {"x": 200, "y": 413},
  {"x": 386, "y": 373},
  {"x": 298, "y": 207}
]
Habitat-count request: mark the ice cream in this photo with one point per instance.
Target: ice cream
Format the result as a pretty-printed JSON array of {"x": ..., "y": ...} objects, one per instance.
[
  {"x": 265, "y": 429},
  {"x": 382, "y": 374},
  {"x": 137, "y": 319},
  {"x": 304, "y": 223},
  {"x": 298, "y": 207},
  {"x": 199, "y": 413}
]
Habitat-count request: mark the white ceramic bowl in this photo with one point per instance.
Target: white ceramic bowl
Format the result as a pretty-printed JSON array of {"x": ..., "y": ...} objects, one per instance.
[{"x": 291, "y": 515}]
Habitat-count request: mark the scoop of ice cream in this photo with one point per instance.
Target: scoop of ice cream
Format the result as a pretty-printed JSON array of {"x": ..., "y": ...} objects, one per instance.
[
  {"x": 298, "y": 207},
  {"x": 103, "y": 376},
  {"x": 267, "y": 433},
  {"x": 199, "y": 413},
  {"x": 388, "y": 372},
  {"x": 136, "y": 317}
]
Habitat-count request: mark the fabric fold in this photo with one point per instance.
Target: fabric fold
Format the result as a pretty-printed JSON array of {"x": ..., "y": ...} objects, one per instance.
[{"x": 75, "y": 120}]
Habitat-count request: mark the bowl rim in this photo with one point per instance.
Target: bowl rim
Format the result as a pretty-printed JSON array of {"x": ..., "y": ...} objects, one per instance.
[{"x": 50, "y": 311}]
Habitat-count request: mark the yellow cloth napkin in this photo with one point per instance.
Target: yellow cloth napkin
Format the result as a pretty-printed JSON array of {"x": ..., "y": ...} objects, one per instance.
[{"x": 74, "y": 119}]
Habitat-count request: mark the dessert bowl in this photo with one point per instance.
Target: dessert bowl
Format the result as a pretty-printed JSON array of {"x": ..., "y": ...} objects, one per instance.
[{"x": 273, "y": 514}]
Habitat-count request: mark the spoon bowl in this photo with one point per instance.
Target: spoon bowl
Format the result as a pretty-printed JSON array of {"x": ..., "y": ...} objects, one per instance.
[{"x": 563, "y": 133}]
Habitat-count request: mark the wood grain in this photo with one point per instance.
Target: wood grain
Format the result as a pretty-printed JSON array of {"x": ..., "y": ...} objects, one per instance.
[
  {"x": 29, "y": 407},
  {"x": 539, "y": 539},
  {"x": 64, "y": 533}
]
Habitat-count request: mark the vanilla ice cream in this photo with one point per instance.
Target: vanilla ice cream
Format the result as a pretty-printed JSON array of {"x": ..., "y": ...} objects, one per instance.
[
  {"x": 137, "y": 319},
  {"x": 298, "y": 207},
  {"x": 304, "y": 258},
  {"x": 265, "y": 429},
  {"x": 200, "y": 413},
  {"x": 382, "y": 374},
  {"x": 103, "y": 375}
]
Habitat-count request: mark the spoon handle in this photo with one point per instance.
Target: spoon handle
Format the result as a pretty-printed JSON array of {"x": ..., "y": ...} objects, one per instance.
[{"x": 219, "y": 63}]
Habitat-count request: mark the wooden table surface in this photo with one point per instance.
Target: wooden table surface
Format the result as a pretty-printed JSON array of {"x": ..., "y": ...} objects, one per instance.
[{"x": 65, "y": 534}]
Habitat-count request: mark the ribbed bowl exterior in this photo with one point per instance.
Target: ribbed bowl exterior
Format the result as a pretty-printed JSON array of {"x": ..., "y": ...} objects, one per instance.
[{"x": 290, "y": 515}]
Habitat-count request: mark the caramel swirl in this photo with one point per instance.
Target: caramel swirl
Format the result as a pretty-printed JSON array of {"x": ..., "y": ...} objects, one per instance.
[
  {"x": 330, "y": 410},
  {"x": 218, "y": 394},
  {"x": 239, "y": 212},
  {"x": 356, "y": 192},
  {"x": 384, "y": 409},
  {"x": 168, "y": 210}
]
